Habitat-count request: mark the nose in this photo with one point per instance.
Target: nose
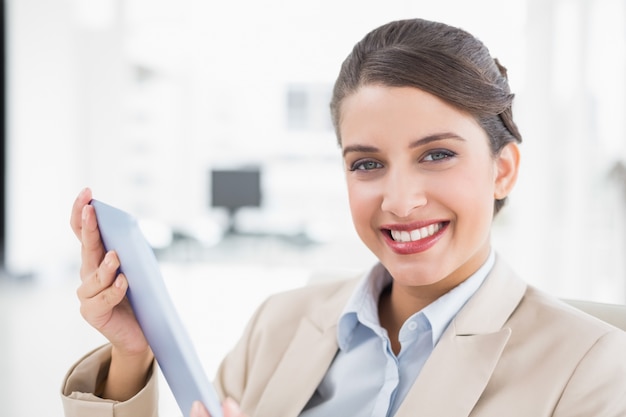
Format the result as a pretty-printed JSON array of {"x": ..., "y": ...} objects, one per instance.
[{"x": 403, "y": 194}]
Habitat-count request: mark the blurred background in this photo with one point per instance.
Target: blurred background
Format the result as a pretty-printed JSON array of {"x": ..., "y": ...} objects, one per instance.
[{"x": 164, "y": 108}]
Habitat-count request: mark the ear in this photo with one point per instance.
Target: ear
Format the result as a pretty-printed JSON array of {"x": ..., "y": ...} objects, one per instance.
[{"x": 507, "y": 166}]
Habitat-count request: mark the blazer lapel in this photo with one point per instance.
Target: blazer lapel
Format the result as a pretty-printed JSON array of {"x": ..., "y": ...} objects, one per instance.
[
  {"x": 454, "y": 376},
  {"x": 306, "y": 360},
  {"x": 299, "y": 373},
  {"x": 458, "y": 370}
]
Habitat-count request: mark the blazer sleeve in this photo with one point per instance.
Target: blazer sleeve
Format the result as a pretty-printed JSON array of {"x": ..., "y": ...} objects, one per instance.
[
  {"x": 83, "y": 379},
  {"x": 597, "y": 388}
]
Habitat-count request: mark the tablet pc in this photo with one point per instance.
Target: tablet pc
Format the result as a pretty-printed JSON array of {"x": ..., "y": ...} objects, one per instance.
[{"x": 155, "y": 310}]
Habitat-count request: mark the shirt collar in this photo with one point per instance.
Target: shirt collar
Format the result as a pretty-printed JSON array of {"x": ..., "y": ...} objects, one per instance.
[
  {"x": 362, "y": 307},
  {"x": 441, "y": 311}
]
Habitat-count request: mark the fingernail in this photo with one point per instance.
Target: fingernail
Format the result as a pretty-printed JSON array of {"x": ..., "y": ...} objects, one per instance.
[
  {"x": 118, "y": 282},
  {"x": 84, "y": 212},
  {"x": 195, "y": 408},
  {"x": 232, "y": 406}
]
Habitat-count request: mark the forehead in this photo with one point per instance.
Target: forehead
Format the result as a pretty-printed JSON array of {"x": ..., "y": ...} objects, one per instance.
[{"x": 376, "y": 111}]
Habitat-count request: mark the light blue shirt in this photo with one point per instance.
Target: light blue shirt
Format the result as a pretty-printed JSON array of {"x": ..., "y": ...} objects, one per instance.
[{"x": 366, "y": 378}]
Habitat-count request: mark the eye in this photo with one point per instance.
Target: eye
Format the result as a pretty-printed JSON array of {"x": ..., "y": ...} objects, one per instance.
[
  {"x": 366, "y": 165},
  {"x": 438, "y": 155}
]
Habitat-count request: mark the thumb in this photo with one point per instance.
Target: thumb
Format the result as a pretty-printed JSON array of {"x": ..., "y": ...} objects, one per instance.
[
  {"x": 198, "y": 410},
  {"x": 231, "y": 408}
]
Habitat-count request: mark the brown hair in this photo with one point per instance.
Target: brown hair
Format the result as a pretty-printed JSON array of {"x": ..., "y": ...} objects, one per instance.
[{"x": 442, "y": 60}]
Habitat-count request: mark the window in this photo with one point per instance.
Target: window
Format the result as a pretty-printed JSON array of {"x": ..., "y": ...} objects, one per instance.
[{"x": 308, "y": 107}]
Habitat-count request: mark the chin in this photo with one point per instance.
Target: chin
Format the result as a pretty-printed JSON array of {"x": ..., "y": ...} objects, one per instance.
[{"x": 414, "y": 274}]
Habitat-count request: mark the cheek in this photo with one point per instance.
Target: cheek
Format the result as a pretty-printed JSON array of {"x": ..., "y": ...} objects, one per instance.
[
  {"x": 363, "y": 200},
  {"x": 472, "y": 195}
]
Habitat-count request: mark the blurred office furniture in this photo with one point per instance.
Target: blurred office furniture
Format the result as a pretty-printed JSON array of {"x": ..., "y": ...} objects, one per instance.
[
  {"x": 614, "y": 314},
  {"x": 234, "y": 189}
]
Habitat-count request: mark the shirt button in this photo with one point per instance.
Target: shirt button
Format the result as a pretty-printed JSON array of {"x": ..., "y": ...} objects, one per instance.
[{"x": 412, "y": 325}]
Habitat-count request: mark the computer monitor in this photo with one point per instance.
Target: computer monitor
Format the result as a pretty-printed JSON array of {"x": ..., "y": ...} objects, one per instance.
[{"x": 233, "y": 189}]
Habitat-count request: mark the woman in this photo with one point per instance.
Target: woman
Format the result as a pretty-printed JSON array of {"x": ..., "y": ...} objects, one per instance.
[{"x": 441, "y": 326}]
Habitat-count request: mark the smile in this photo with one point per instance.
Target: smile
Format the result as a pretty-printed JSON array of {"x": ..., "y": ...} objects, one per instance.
[{"x": 415, "y": 235}]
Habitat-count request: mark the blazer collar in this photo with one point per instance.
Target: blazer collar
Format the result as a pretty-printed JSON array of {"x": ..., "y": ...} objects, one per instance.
[
  {"x": 460, "y": 366},
  {"x": 493, "y": 303},
  {"x": 306, "y": 359}
]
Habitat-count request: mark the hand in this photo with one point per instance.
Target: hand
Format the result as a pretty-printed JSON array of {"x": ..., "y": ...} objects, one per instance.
[
  {"x": 229, "y": 407},
  {"x": 103, "y": 304},
  {"x": 102, "y": 292}
]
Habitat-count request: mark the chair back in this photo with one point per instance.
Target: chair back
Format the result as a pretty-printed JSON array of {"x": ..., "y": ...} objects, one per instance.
[{"x": 614, "y": 314}]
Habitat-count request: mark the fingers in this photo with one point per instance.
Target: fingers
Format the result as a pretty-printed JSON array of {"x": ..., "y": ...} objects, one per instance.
[
  {"x": 92, "y": 249},
  {"x": 85, "y": 227},
  {"x": 97, "y": 310},
  {"x": 101, "y": 278},
  {"x": 230, "y": 407},
  {"x": 102, "y": 290},
  {"x": 83, "y": 198},
  {"x": 198, "y": 410}
]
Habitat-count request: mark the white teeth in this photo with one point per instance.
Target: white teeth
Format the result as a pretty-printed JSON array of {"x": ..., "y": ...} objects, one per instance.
[{"x": 417, "y": 234}]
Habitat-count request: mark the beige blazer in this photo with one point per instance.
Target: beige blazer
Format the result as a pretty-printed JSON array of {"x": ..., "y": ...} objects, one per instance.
[{"x": 511, "y": 351}]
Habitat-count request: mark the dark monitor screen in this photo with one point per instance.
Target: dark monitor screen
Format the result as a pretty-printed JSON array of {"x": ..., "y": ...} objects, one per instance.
[{"x": 235, "y": 188}]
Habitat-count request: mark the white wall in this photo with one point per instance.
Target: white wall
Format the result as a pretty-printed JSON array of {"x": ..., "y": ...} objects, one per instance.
[
  {"x": 212, "y": 92},
  {"x": 42, "y": 128}
]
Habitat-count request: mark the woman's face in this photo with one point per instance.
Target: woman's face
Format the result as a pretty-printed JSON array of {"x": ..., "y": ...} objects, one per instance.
[{"x": 421, "y": 183}]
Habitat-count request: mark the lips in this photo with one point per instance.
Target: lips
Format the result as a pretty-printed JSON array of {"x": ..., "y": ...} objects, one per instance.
[{"x": 415, "y": 238}]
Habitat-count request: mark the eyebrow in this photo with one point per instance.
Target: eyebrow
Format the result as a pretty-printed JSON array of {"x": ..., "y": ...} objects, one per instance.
[{"x": 419, "y": 142}]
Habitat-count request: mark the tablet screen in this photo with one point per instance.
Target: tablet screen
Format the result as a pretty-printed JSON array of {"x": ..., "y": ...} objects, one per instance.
[{"x": 155, "y": 311}]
